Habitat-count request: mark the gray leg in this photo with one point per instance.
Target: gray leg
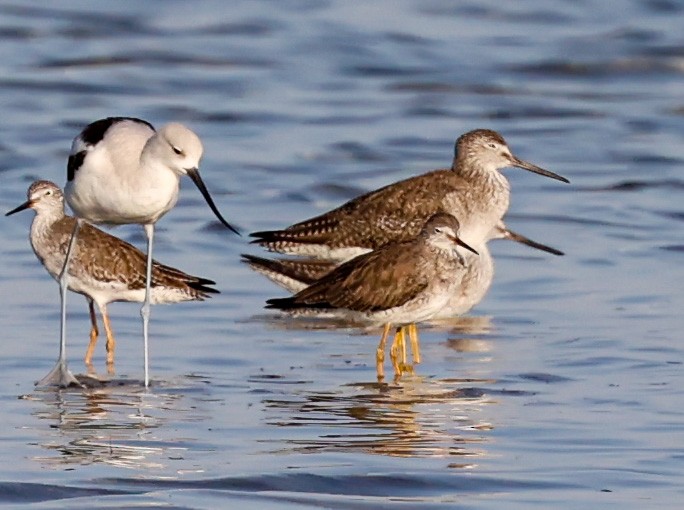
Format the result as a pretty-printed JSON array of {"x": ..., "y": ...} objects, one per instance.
[
  {"x": 145, "y": 311},
  {"x": 60, "y": 374}
]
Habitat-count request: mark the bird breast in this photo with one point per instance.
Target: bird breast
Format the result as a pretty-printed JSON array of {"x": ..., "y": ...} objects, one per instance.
[{"x": 143, "y": 200}]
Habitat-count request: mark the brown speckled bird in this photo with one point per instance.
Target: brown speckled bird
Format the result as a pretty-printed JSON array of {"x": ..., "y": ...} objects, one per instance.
[
  {"x": 473, "y": 190},
  {"x": 400, "y": 283},
  {"x": 103, "y": 268},
  {"x": 295, "y": 274}
]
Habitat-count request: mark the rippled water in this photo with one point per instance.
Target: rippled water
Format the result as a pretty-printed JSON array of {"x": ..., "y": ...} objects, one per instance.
[{"x": 563, "y": 389}]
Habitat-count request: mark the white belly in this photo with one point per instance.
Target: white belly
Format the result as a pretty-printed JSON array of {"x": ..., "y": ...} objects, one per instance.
[
  {"x": 476, "y": 281},
  {"x": 120, "y": 207},
  {"x": 101, "y": 193}
]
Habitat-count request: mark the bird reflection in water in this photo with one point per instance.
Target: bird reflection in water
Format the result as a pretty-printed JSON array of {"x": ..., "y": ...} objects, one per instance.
[
  {"x": 111, "y": 423},
  {"x": 418, "y": 417},
  {"x": 468, "y": 334}
]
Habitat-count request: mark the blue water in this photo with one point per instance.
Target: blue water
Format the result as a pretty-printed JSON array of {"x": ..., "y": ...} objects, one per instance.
[{"x": 561, "y": 390}]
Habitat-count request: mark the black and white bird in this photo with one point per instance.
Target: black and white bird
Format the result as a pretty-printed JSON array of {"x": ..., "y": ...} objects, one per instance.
[{"x": 122, "y": 171}]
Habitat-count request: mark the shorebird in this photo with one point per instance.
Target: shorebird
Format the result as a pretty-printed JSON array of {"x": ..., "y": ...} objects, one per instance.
[
  {"x": 103, "y": 268},
  {"x": 122, "y": 171},
  {"x": 473, "y": 190},
  {"x": 295, "y": 274},
  {"x": 400, "y": 283}
]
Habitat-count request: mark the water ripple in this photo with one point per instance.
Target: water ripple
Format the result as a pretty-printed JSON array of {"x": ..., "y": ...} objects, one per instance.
[{"x": 561, "y": 389}]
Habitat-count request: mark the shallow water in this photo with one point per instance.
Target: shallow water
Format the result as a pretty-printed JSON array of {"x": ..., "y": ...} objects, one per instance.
[{"x": 563, "y": 388}]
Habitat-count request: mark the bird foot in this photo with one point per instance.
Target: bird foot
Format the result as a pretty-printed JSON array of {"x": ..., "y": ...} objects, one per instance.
[
  {"x": 60, "y": 376},
  {"x": 405, "y": 368},
  {"x": 402, "y": 368},
  {"x": 380, "y": 363},
  {"x": 90, "y": 369}
]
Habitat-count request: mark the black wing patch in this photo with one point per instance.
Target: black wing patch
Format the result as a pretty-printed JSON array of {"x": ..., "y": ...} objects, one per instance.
[
  {"x": 74, "y": 163},
  {"x": 94, "y": 132}
]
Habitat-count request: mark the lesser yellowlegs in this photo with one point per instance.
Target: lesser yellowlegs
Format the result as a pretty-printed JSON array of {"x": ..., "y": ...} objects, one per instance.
[
  {"x": 295, "y": 274},
  {"x": 400, "y": 283},
  {"x": 103, "y": 268}
]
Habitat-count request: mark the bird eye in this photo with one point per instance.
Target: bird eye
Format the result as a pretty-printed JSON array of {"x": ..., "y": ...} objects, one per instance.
[
  {"x": 492, "y": 145},
  {"x": 177, "y": 150},
  {"x": 48, "y": 192},
  {"x": 438, "y": 230}
]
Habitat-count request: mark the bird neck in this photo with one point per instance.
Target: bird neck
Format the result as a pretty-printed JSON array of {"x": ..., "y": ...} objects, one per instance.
[
  {"x": 487, "y": 187},
  {"x": 152, "y": 160},
  {"x": 47, "y": 229},
  {"x": 45, "y": 218},
  {"x": 441, "y": 248},
  {"x": 480, "y": 201},
  {"x": 154, "y": 171},
  {"x": 474, "y": 169}
]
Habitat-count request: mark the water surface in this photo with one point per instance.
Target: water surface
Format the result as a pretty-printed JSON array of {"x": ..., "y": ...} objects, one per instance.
[{"x": 562, "y": 389}]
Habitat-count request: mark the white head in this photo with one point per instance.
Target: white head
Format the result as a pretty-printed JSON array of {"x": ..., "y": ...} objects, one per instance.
[
  {"x": 180, "y": 150},
  {"x": 177, "y": 147}
]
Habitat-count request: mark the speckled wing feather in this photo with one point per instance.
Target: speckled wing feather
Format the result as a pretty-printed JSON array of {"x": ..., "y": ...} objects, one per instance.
[
  {"x": 379, "y": 280},
  {"x": 122, "y": 262},
  {"x": 306, "y": 271},
  {"x": 393, "y": 213}
]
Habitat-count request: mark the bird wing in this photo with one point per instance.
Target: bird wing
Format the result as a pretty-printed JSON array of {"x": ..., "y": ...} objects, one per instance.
[
  {"x": 378, "y": 280},
  {"x": 356, "y": 222},
  {"x": 124, "y": 263},
  {"x": 306, "y": 271}
]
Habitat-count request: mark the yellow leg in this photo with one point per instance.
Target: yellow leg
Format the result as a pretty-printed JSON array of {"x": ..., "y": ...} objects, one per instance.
[
  {"x": 398, "y": 345},
  {"x": 380, "y": 353},
  {"x": 415, "y": 345},
  {"x": 111, "y": 342},
  {"x": 404, "y": 359},
  {"x": 404, "y": 365},
  {"x": 395, "y": 352},
  {"x": 93, "y": 334}
]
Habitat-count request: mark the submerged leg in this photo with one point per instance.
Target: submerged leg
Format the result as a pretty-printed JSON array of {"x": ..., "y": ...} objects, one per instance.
[
  {"x": 380, "y": 353},
  {"x": 60, "y": 374},
  {"x": 406, "y": 367},
  {"x": 415, "y": 345},
  {"x": 145, "y": 311},
  {"x": 111, "y": 342},
  {"x": 399, "y": 347},
  {"x": 402, "y": 346},
  {"x": 396, "y": 350},
  {"x": 93, "y": 334},
  {"x": 404, "y": 358}
]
